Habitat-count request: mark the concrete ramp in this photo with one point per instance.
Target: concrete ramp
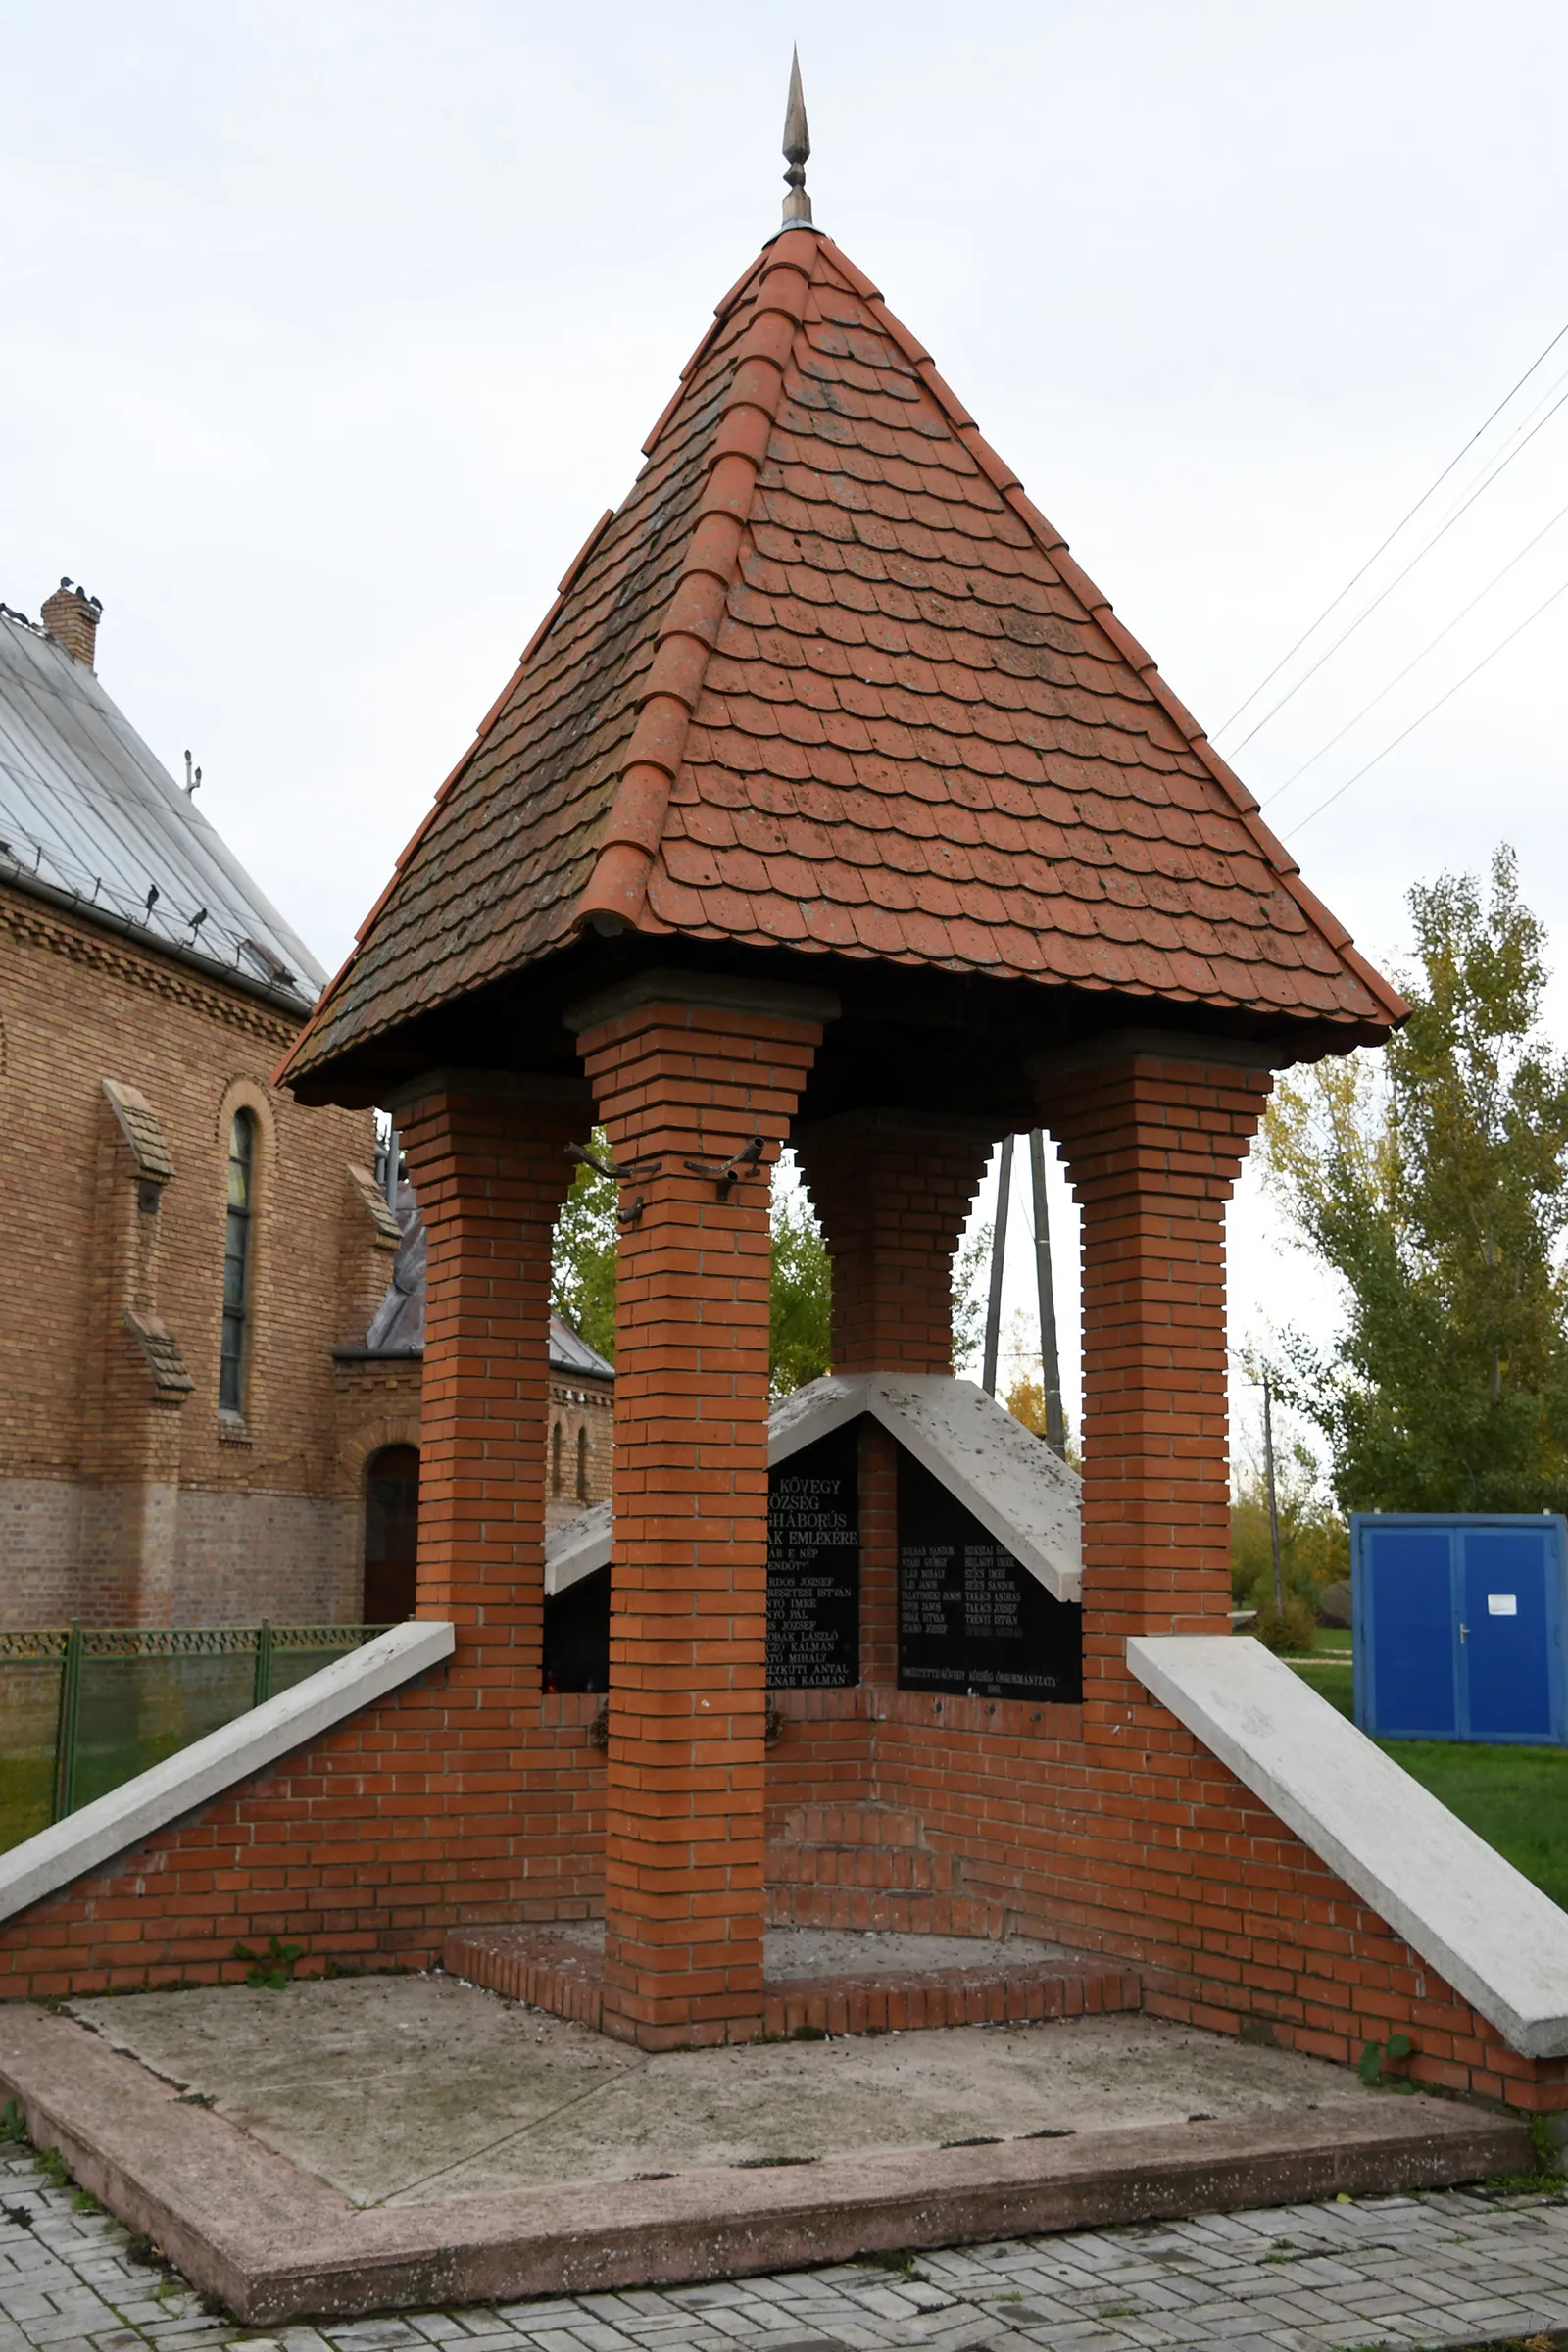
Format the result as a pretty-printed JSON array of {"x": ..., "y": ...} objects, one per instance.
[
  {"x": 235, "y": 1752},
  {"x": 1496, "y": 1938}
]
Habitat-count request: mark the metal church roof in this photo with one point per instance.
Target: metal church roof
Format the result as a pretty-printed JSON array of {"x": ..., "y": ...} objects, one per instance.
[{"x": 90, "y": 817}]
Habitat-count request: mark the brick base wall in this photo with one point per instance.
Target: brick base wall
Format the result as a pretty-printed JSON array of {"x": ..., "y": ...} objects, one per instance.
[{"x": 998, "y": 1815}]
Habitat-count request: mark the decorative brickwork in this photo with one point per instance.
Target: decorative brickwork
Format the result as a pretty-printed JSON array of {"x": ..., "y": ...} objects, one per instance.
[{"x": 683, "y": 1849}]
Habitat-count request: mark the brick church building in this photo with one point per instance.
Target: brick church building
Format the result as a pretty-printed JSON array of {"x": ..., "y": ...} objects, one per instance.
[{"x": 190, "y": 1420}]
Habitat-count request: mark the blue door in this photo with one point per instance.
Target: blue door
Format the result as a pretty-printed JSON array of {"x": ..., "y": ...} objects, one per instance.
[
  {"x": 1459, "y": 1627},
  {"x": 1504, "y": 1634},
  {"x": 1412, "y": 1655}
]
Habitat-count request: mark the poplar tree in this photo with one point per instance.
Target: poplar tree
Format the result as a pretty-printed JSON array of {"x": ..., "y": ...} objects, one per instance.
[{"x": 1433, "y": 1180}]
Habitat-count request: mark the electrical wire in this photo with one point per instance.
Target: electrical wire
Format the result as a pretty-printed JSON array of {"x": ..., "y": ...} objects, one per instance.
[
  {"x": 1430, "y": 647},
  {"x": 1385, "y": 593},
  {"x": 1385, "y": 544},
  {"x": 1406, "y": 733}
]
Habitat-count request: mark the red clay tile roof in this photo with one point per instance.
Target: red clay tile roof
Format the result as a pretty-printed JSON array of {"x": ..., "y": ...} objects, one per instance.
[{"x": 828, "y": 680}]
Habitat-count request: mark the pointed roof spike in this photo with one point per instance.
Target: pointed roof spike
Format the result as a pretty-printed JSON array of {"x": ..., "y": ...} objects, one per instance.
[{"x": 797, "y": 147}]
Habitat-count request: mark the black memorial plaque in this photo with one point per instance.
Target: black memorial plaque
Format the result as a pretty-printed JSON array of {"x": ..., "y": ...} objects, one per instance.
[
  {"x": 813, "y": 1567},
  {"x": 971, "y": 1618}
]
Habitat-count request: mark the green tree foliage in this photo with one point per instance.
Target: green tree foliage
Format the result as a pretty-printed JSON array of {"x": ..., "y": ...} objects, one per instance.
[
  {"x": 1314, "y": 1541},
  {"x": 582, "y": 1268},
  {"x": 1435, "y": 1186},
  {"x": 971, "y": 1280},
  {"x": 800, "y": 1341}
]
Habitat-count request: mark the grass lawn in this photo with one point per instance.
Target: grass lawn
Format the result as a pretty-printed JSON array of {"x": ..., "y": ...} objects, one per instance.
[{"x": 1514, "y": 1797}]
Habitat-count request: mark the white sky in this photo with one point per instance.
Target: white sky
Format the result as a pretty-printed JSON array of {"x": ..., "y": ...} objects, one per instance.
[{"x": 329, "y": 329}]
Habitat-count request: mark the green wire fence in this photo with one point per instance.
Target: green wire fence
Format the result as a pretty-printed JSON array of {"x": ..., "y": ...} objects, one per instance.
[{"x": 84, "y": 1708}]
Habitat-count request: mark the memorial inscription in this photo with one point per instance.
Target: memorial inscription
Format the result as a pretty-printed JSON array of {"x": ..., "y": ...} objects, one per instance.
[
  {"x": 971, "y": 1618},
  {"x": 813, "y": 1567}
]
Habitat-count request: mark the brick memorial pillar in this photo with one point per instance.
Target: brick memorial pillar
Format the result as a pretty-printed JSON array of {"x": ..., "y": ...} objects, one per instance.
[
  {"x": 1154, "y": 1140},
  {"x": 488, "y": 1159},
  {"x": 684, "y": 1070},
  {"x": 893, "y": 1193}
]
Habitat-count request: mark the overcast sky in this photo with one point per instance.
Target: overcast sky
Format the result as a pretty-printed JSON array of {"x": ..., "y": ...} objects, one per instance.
[{"x": 330, "y": 329}]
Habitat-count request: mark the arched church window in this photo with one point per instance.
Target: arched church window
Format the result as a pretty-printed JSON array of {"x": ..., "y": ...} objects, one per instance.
[
  {"x": 554, "y": 1458},
  {"x": 238, "y": 1252},
  {"x": 583, "y": 1465}
]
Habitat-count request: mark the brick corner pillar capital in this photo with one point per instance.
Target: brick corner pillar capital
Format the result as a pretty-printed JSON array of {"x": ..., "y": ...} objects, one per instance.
[
  {"x": 1153, "y": 1132},
  {"x": 893, "y": 1191},
  {"x": 689, "y": 1071}
]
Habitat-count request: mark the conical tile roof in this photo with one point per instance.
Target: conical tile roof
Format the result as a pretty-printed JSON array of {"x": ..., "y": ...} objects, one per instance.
[{"x": 829, "y": 682}]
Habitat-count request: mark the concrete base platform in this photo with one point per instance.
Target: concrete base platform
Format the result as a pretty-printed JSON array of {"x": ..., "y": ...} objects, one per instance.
[
  {"x": 824, "y": 1980},
  {"x": 369, "y": 2144}
]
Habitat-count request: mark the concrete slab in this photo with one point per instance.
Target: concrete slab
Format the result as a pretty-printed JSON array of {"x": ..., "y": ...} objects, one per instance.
[
  {"x": 396, "y": 2089},
  {"x": 358, "y": 2071}
]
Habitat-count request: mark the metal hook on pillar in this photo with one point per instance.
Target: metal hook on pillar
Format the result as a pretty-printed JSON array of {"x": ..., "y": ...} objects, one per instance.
[
  {"x": 726, "y": 1173},
  {"x": 632, "y": 1171}
]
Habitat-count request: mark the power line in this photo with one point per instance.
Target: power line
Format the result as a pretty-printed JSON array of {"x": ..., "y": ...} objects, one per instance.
[
  {"x": 1430, "y": 647},
  {"x": 1418, "y": 558},
  {"x": 1406, "y": 733},
  {"x": 1429, "y": 492}
]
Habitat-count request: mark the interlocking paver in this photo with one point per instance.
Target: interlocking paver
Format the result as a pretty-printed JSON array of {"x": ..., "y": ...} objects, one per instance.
[{"x": 1448, "y": 2270}]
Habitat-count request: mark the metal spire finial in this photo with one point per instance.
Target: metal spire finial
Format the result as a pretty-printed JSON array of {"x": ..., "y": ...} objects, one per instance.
[{"x": 797, "y": 147}]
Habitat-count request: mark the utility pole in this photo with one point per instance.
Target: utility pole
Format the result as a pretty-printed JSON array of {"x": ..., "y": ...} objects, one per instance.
[
  {"x": 999, "y": 1251},
  {"x": 1273, "y": 1497},
  {"x": 1050, "y": 1360}
]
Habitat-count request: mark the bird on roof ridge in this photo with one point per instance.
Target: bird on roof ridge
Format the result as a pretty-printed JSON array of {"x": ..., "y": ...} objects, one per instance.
[{"x": 797, "y": 147}]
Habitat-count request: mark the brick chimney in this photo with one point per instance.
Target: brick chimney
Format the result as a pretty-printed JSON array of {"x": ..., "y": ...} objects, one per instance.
[{"x": 72, "y": 616}]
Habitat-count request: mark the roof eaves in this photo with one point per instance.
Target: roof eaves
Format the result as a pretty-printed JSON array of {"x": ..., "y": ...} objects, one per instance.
[{"x": 103, "y": 919}]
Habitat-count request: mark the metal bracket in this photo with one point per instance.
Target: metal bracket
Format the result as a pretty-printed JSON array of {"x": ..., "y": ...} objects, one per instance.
[
  {"x": 727, "y": 1173},
  {"x": 632, "y": 1172},
  {"x": 629, "y": 1174}
]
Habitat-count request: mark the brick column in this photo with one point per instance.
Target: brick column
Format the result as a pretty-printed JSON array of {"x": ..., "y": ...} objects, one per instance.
[
  {"x": 893, "y": 1193},
  {"x": 684, "y": 1070},
  {"x": 1154, "y": 1140},
  {"x": 487, "y": 1156}
]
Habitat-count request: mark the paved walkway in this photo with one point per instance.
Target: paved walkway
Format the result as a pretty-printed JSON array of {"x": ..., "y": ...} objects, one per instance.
[{"x": 1454, "y": 2268}]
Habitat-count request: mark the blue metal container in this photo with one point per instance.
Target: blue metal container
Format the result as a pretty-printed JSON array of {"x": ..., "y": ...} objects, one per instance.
[{"x": 1459, "y": 1627}]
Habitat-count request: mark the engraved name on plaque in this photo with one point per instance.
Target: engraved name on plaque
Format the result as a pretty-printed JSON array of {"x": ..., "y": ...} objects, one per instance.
[
  {"x": 971, "y": 1618},
  {"x": 813, "y": 1567}
]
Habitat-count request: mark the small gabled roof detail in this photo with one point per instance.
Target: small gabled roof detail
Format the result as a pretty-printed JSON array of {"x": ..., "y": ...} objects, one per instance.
[
  {"x": 1021, "y": 1491},
  {"x": 829, "y": 681}
]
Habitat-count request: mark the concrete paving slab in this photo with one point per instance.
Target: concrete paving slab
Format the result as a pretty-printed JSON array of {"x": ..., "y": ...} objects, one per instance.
[
  {"x": 276, "y": 2242},
  {"x": 392, "y": 2089}
]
